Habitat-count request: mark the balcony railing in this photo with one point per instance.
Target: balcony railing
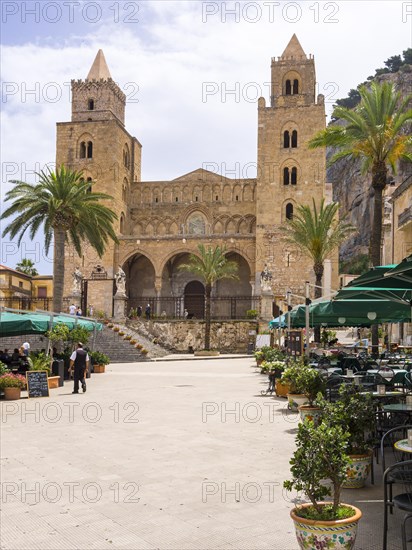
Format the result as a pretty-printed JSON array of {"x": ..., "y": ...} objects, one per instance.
[{"x": 405, "y": 217}]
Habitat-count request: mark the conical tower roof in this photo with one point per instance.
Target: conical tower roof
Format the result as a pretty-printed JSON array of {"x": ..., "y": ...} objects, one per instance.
[
  {"x": 99, "y": 68},
  {"x": 294, "y": 49}
]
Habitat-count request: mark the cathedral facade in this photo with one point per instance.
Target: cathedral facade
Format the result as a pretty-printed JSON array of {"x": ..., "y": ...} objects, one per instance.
[{"x": 160, "y": 223}]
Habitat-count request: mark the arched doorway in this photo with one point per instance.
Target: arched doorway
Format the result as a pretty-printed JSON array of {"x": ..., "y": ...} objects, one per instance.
[{"x": 194, "y": 301}]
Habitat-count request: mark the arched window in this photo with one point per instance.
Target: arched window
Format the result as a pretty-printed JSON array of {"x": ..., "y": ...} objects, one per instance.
[
  {"x": 89, "y": 188},
  {"x": 294, "y": 138},
  {"x": 286, "y": 139},
  {"x": 90, "y": 104},
  {"x": 294, "y": 178},
  {"x": 296, "y": 86},
  {"x": 89, "y": 150},
  {"x": 286, "y": 176},
  {"x": 126, "y": 157},
  {"x": 122, "y": 223},
  {"x": 82, "y": 153},
  {"x": 288, "y": 90},
  {"x": 289, "y": 211}
]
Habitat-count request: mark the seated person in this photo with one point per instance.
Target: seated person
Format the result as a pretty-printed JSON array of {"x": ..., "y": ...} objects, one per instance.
[
  {"x": 5, "y": 357},
  {"x": 15, "y": 358}
]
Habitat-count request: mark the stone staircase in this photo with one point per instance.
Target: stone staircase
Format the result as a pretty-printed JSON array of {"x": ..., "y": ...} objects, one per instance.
[{"x": 121, "y": 351}]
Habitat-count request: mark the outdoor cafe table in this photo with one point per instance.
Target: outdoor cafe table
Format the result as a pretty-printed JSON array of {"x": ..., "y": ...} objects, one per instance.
[
  {"x": 402, "y": 445},
  {"x": 383, "y": 395},
  {"x": 398, "y": 407}
]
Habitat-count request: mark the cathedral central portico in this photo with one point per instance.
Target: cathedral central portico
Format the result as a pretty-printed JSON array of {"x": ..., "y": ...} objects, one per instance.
[{"x": 161, "y": 222}]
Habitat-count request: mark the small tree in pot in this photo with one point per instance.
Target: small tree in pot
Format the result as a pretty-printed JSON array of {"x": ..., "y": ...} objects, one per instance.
[
  {"x": 355, "y": 412},
  {"x": 321, "y": 455}
]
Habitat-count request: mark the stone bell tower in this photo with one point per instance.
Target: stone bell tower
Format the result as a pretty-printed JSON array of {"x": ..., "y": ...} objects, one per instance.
[
  {"x": 96, "y": 142},
  {"x": 289, "y": 174}
]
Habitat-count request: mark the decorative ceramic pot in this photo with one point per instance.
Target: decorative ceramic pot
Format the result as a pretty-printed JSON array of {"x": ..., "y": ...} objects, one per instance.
[
  {"x": 281, "y": 389},
  {"x": 357, "y": 472},
  {"x": 333, "y": 535},
  {"x": 98, "y": 369},
  {"x": 10, "y": 394},
  {"x": 310, "y": 413},
  {"x": 295, "y": 400}
]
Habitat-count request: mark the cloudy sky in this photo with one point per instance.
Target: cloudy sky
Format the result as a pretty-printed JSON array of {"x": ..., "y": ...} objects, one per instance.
[{"x": 192, "y": 72}]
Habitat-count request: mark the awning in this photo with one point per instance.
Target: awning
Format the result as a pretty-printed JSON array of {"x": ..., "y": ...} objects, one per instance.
[{"x": 16, "y": 324}]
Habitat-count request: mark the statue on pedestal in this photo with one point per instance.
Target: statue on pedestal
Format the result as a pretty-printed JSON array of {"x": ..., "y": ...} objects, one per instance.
[
  {"x": 120, "y": 279},
  {"x": 77, "y": 282},
  {"x": 266, "y": 280}
]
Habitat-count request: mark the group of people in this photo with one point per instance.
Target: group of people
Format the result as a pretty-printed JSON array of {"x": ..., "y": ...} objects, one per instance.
[
  {"x": 147, "y": 311},
  {"x": 18, "y": 359},
  {"x": 75, "y": 310}
]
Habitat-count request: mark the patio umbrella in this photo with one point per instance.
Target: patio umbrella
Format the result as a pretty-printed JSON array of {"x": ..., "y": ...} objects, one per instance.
[{"x": 350, "y": 313}]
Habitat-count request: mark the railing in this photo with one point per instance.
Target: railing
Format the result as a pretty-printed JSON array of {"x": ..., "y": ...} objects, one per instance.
[
  {"x": 226, "y": 307},
  {"x": 19, "y": 302},
  {"x": 405, "y": 216}
]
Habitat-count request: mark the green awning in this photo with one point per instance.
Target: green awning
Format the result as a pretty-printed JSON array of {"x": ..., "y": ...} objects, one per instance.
[{"x": 15, "y": 324}]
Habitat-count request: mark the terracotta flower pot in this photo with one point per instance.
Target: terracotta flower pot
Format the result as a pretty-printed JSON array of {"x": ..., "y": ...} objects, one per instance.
[
  {"x": 10, "y": 394},
  {"x": 281, "y": 389},
  {"x": 333, "y": 535},
  {"x": 98, "y": 369}
]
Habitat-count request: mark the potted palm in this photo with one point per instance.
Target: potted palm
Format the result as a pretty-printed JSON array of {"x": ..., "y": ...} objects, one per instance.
[
  {"x": 354, "y": 411},
  {"x": 99, "y": 361},
  {"x": 41, "y": 361},
  {"x": 12, "y": 384},
  {"x": 321, "y": 455}
]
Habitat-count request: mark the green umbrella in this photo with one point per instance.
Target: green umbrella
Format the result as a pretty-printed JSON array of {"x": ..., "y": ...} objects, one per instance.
[
  {"x": 350, "y": 313},
  {"x": 14, "y": 324}
]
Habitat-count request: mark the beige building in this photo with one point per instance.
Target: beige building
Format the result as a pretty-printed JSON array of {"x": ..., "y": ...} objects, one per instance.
[
  {"x": 21, "y": 291},
  {"x": 161, "y": 222}
]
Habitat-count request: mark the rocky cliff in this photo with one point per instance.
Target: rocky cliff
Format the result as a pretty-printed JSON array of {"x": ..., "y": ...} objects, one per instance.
[{"x": 353, "y": 190}]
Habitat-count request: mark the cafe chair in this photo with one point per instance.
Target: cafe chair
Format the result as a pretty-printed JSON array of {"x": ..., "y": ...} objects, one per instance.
[
  {"x": 402, "y": 471},
  {"x": 388, "y": 453}
]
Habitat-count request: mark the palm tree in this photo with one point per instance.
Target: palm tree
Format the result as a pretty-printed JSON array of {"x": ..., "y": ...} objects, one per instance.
[
  {"x": 27, "y": 266},
  {"x": 317, "y": 233},
  {"x": 62, "y": 203},
  {"x": 211, "y": 265},
  {"x": 375, "y": 132}
]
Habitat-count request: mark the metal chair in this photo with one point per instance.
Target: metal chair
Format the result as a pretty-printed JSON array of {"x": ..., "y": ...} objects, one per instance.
[{"x": 402, "y": 472}]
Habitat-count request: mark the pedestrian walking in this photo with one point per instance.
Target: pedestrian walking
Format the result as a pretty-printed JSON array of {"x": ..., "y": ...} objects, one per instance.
[
  {"x": 148, "y": 312},
  {"x": 139, "y": 311},
  {"x": 79, "y": 362},
  {"x": 72, "y": 309}
]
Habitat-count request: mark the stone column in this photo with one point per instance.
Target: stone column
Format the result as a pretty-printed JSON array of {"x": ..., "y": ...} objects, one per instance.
[
  {"x": 158, "y": 290},
  {"x": 266, "y": 301},
  {"x": 119, "y": 309}
]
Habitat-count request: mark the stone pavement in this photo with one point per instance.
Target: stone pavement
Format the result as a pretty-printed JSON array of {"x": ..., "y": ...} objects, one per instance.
[{"x": 168, "y": 455}]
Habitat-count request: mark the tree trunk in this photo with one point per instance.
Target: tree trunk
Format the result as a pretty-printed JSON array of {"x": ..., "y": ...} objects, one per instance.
[
  {"x": 379, "y": 175},
  {"x": 58, "y": 269},
  {"x": 318, "y": 269},
  {"x": 208, "y": 291}
]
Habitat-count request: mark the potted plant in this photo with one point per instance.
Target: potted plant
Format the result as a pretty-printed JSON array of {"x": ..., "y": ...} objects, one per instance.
[
  {"x": 321, "y": 454},
  {"x": 12, "y": 384},
  {"x": 99, "y": 361},
  {"x": 259, "y": 356},
  {"x": 354, "y": 411},
  {"x": 41, "y": 361},
  {"x": 312, "y": 384},
  {"x": 144, "y": 351},
  {"x": 139, "y": 346},
  {"x": 292, "y": 376}
]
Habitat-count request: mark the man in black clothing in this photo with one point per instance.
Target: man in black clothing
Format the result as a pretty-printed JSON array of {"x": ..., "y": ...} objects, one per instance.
[{"x": 80, "y": 360}]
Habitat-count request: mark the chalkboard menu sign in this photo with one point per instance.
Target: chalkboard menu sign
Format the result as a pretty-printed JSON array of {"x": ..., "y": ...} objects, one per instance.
[
  {"x": 295, "y": 343},
  {"x": 37, "y": 385}
]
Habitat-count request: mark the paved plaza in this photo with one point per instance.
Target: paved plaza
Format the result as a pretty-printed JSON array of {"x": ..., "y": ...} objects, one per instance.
[{"x": 159, "y": 455}]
